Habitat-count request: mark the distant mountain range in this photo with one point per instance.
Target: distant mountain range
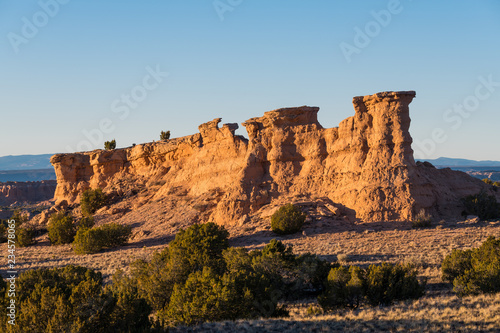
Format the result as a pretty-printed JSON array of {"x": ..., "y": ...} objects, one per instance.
[
  {"x": 478, "y": 169},
  {"x": 461, "y": 162},
  {"x": 25, "y": 162},
  {"x": 38, "y": 167},
  {"x": 23, "y": 168}
]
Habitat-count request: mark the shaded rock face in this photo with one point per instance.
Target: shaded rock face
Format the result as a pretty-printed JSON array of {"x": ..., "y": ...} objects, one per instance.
[
  {"x": 365, "y": 166},
  {"x": 26, "y": 192}
]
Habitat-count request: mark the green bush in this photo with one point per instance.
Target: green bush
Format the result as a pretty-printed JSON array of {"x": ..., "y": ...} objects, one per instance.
[
  {"x": 287, "y": 220},
  {"x": 497, "y": 184},
  {"x": 72, "y": 299},
  {"x": 422, "y": 220},
  {"x": 203, "y": 297},
  {"x": 131, "y": 313},
  {"x": 198, "y": 246},
  {"x": 25, "y": 236},
  {"x": 86, "y": 222},
  {"x": 377, "y": 285},
  {"x": 19, "y": 217},
  {"x": 344, "y": 288},
  {"x": 60, "y": 300},
  {"x": 456, "y": 264},
  {"x": 110, "y": 145},
  {"x": 198, "y": 278},
  {"x": 3, "y": 231},
  {"x": 88, "y": 241},
  {"x": 92, "y": 200},
  {"x": 61, "y": 228},
  {"x": 483, "y": 205},
  {"x": 386, "y": 283},
  {"x": 114, "y": 234},
  {"x": 488, "y": 181},
  {"x": 165, "y": 135},
  {"x": 474, "y": 271}
]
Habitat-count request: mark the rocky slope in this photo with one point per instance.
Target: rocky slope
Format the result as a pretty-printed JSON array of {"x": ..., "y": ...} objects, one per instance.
[
  {"x": 363, "y": 169},
  {"x": 26, "y": 192}
]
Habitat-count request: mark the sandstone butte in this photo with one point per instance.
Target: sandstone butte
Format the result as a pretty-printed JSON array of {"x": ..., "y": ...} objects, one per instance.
[{"x": 362, "y": 170}]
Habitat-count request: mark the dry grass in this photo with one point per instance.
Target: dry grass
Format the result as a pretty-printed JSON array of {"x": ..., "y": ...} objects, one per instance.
[{"x": 428, "y": 314}]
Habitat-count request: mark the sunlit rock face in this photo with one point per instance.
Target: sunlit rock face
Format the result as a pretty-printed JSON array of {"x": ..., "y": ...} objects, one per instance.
[{"x": 364, "y": 167}]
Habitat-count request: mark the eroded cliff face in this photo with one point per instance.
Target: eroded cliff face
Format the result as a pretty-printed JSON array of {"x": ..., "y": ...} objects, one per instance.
[
  {"x": 364, "y": 167},
  {"x": 26, "y": 192}
]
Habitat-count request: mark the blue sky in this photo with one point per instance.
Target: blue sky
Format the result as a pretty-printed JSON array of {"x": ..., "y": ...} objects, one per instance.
[{"x": 67, "y": 68}]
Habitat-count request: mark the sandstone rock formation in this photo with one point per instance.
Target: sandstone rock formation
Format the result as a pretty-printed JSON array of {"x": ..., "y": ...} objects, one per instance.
[
  {"x": 26, "y": 192},
  {"x": 364, "y": 168}
]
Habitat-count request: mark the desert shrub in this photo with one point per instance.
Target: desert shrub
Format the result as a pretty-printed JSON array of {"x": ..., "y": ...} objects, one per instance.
[
  {"x": 483, "y": 205},
  {"x": 250, "y": 287},
  {"x": 131, "y": 313},
  {"x": 488, "y": 181},
  {"x": 256, "y": 291},
  {"x": 110, "y": 145},
  {"x": 377, "y": 284},
  {"x": 93, "y": 240},
  {"x": 387, "y": 283},
  {"x": 92, "y": 200},
  {"x": 25, "y": 236},
  {"x": 203, "y": 297},
  {"x": 61, "y": 228},
  {"x": 344, "y": 288},
  {"x": 198, "y": 278},
  {"x": 72, "y": 299},
  {"x": 87, "y": 241},
  {"x": 3, "y": 231},
  {"x": 474, "y": 271},
  {"x": 165, "y": 135},
  {"x": 114, "y": 234},
  {"x": 198, "y": 246},
  {"x": 86, "y": 222},
  {"x": 287, "y": 220},
  {"x": 456, "y": 264},
  {"x": 65, "y": 299},
  {"x": 312, "y": 274},
  {"x": 4, "y": 303},
  {"x": 19, "y": 217},
  {"x": 343, "y": 258},
  {"x": 422, "y": 220},
  {"x": 314, "y": 310}
]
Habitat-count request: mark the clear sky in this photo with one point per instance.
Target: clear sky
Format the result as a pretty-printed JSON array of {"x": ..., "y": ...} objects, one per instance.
[{"x": 76, "y": 73}]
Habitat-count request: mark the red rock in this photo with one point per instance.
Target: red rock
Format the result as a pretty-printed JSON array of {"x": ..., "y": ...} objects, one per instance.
[{"x": 365, "y": 166}]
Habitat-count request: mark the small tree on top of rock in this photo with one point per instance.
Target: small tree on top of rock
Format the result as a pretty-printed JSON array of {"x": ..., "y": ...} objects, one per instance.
[
  {"x": 110, "y": 145},
  {"x": 287, "y": 220},
  {"x": 165, "y": 135}
]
